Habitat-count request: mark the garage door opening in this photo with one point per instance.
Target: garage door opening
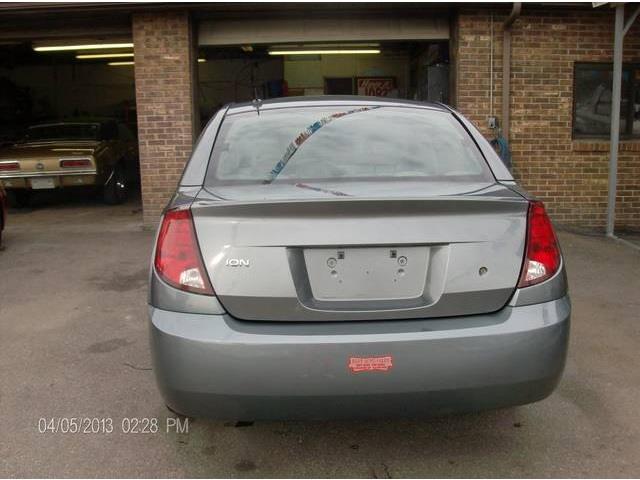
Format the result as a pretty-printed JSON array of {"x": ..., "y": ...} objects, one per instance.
[
  {"x": 68, "y": 122},
  {"x": 417, "y": 70}
]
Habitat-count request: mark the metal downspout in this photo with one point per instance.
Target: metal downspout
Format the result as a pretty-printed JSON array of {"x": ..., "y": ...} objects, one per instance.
[
  {"x": 506, "y": 66},
  {"x": 615, "y": 118}
]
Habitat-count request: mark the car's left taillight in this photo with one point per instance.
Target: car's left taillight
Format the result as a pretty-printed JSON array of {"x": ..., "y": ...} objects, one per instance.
[
  {"x": 178, "y": 260},
  {"x": 9, "y": 166}
]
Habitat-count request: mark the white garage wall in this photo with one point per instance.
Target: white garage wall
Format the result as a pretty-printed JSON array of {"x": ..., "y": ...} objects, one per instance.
[
  {"x": 310, "y": 74},
  {"x": 223, "y": 81}
]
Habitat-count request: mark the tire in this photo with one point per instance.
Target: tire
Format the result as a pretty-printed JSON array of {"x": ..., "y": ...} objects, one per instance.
[
  {"x": 116, "y": 190},
  {"x": 21, "y": 197},
  {"x": 178, "y": 414}
]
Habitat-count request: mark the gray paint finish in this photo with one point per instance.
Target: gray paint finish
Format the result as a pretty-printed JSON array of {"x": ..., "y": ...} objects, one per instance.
[
  {"x": 465, "y": 235},
  {"x": 512, "y": 356},
  {"x": 196, "y": 167},
  {"x": 276, "y": 339},
  {"x": 165, "y": 296},
  {"x": 555, "y": 287}
]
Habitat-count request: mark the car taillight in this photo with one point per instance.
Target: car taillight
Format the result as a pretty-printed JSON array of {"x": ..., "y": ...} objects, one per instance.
[
  {"x": 542, "y": 254},
  {"x": 75, "y": 163},
  {"x": 9, "y": 166},
  {"x": 178, "y": 260}
]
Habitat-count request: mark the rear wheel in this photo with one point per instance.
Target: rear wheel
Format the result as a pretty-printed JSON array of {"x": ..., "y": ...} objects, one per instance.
[
  {"x": 115, "y": 191},
  {"x": 178, "y": 414},
  {"x": 21, "y": 197}
]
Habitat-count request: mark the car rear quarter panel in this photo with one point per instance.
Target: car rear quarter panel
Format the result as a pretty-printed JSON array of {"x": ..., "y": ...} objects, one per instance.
[{"x": 196, "y": 169}]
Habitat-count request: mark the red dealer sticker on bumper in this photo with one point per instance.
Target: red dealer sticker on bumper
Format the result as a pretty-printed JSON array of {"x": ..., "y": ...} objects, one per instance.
[{"x": 370, "y": 364}]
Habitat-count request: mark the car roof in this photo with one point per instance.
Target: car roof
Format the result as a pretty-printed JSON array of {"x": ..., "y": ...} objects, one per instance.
[{"x": 330, "y": 100}]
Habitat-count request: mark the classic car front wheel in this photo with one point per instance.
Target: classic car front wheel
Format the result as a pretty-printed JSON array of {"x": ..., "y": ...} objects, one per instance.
[{"x": 115, "y": 190}]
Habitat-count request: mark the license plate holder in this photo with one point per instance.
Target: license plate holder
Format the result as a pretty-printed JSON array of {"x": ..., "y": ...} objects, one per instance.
[
  {"x": 44, "y": 183},
  {"x": 368, "y": 273}
]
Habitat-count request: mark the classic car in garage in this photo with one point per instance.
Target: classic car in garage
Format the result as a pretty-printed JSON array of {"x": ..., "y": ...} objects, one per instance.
[{"x": 101, "y": 154}]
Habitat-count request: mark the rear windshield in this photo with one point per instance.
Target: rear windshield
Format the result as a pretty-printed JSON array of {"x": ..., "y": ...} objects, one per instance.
[
  {"x": 344, "y": 144},
  {"x": 63, "y": 131}
]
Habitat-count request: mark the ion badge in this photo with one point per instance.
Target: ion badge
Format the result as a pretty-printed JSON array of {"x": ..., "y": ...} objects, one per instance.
[{"x": 370, "y": 364}]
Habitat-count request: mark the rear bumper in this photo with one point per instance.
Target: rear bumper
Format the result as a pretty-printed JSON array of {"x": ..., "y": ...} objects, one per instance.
[
  {"x": 60, "y": 179},
  {"x": 218, "y": 367}
]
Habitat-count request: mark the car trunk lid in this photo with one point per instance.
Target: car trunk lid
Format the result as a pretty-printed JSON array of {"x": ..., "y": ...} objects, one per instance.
[
  {"x": 347, "y": 258},
  {"x": 47, "y": 157}
]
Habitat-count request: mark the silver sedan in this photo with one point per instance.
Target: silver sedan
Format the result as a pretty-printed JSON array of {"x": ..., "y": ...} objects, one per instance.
[{"x": 353, "y": 257}]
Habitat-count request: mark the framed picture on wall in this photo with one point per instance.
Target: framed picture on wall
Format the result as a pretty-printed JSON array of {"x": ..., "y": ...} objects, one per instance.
[{"x": 376, "y": 86}]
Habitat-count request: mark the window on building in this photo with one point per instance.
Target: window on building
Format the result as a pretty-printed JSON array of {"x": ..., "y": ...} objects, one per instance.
[{"x": 592, "y": 100}]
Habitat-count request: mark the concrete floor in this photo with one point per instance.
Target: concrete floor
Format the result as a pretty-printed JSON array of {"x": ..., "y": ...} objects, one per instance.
[{"x": 73, "y": 343}]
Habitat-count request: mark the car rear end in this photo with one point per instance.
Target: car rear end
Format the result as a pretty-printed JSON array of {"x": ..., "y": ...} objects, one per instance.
[
  {"x": 353, "y": 259},
  {"x": 52, "y": 156},
  {"x": 48, "y": 171}
]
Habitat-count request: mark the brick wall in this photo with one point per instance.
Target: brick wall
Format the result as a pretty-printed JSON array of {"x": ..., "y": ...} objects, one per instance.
[
  {"x": 163, "y": 73},
  {"x": 569, "y": 175}
]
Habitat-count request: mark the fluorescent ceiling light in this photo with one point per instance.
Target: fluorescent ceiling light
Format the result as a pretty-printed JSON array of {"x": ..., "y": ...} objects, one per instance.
[
  {"x": 324, "y": 52},
  {"x": 91, "y": 46},
  {"x": 90, "y": 56},
  {"x": 328, "y": 46},
  {"x": 119, "y": 64},
  {"x": 202, "y": 60}
]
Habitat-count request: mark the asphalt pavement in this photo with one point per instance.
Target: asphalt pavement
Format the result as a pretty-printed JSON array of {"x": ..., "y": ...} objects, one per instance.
[{"x": 74, "y": 344}]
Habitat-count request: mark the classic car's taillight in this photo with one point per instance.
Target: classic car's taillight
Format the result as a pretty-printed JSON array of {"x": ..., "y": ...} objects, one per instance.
[
  {"x": 75, "y": 163},
  {"x": 178, "y": 260},
  {"x": 9, "y": 166},
  {"x": 542, "y": 253}
]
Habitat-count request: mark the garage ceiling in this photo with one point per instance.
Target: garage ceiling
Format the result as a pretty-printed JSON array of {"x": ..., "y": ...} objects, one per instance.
[{"x": 38, "y": 25}]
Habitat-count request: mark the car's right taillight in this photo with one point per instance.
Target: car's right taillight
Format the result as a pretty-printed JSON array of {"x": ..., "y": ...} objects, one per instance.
[
  {"x": 178, "y": 260},
  {"x": 542, "y": 253},
  {"x": 75, "y": 163}
]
